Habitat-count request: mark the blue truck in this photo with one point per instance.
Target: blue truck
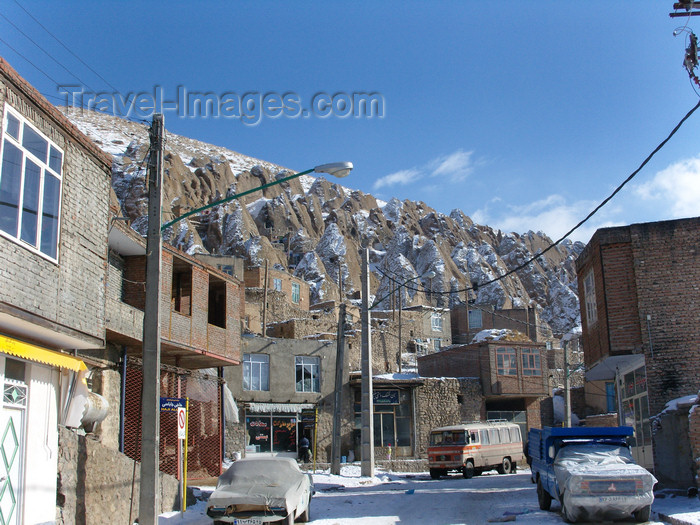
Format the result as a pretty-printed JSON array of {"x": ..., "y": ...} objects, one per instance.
[{"x": 590, "y": 472}]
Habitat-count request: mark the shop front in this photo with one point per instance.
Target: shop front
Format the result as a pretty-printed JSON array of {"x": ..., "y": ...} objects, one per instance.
[{"x": 275, "y": 428}]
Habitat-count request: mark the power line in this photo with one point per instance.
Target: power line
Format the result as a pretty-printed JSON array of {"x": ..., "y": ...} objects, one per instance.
[
  {"x": 46, "y": 52},
  {"x": 66, "y": 47},
  {"x": 31, "y": 63},
  {"x": 584, "y": 220}
]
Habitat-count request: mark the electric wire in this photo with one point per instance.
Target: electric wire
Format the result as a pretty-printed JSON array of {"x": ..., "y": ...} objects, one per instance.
[
  {"x": 582, "y": 221},
  {"x": 47, "y": 53},
  {"x": 65, "y": 47},
  {"x": 31, "y": 63}
]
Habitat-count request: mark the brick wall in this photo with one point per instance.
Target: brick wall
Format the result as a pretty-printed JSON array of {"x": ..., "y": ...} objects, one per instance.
[
  {"x": 70, "y": 293},
  {"x": 667, "y": 266}
]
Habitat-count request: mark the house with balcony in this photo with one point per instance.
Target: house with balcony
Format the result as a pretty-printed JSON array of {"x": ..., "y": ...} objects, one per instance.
[
  {"x": 514, "y": 377},
  {"x": 200, "y": 333},
  {"x": 639, "y": 310},
  {"x": 54, "y": 188}
]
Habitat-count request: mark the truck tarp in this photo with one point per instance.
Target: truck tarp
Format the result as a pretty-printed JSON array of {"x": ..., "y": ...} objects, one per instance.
[{"x": 614, "y": 469}]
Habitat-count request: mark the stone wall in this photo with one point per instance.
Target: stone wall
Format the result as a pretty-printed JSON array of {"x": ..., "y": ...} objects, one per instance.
[
  {"x": 694, "y": 439},
  {"x": 673, "y": 460},
  {"x": 445, "y": 401},
  {"x": 97, "y": 484}
]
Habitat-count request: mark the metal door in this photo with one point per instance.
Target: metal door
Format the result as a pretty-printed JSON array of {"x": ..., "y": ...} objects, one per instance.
[{"x": 12, "y": 421}]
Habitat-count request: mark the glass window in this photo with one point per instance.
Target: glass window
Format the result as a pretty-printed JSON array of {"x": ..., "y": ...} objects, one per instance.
[
  {"x": 485, "y": 437},
  {"x": 35, "y": 143},
  {"x": 531, "y": 362},
  {"x": 436, "y": 345},
  {"x": 475, "y": 319},
  {"x": 506, "y": 362},
  {"x": 277, "y": 284},
  {"x": 308, "y": 373},
  {"x": 256, "y": 372},
  {"x": 589, "y": 297},
  {"x": 30, "y": 186},
  {"x": 12, "y": 126},
  {"x": 296, "y": 293},
  {"x": 436, "y": 322}
]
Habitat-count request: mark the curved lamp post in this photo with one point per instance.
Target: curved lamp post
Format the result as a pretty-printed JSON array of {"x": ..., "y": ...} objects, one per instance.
[
  {"x": 150, "y": 411},
  {"x": 337, "y": 169}
]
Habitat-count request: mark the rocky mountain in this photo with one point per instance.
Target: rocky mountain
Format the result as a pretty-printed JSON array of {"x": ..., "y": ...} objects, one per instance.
[{"x": 316, "y": 229}]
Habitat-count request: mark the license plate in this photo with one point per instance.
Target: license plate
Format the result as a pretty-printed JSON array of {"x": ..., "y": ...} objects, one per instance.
[
  {"x": 604, "y": 499},
  {"x": 249, "y": 521}
]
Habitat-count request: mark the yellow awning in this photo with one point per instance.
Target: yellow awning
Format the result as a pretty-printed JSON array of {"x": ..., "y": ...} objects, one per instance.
[{"x": 40, "y": 355}]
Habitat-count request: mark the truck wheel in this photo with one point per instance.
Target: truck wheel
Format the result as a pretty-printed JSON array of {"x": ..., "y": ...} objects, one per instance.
[
  {"x": 468, "y": 470},
  {"x": 504, "y": 467},
  {"x": 543, "y": 497},
  {"x": 643, "y": 514},
  {"x": 435, "y": 473}
]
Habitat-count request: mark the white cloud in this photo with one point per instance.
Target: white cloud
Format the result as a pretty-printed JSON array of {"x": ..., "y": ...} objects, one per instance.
[
  {"x": 457, "y": 166},
  {"x": 675, "y": 190},
  {"x": 551, "y": 215},
  {"x": 402, "y": 177}
]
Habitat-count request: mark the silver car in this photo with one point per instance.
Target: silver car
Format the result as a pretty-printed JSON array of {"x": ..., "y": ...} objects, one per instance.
[{"x": 261, "y": 490}]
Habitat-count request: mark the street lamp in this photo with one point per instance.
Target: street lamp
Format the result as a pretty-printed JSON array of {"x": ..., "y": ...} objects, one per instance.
[
  {"x": 337, "y": 169},
  {"x": 150, "y": 411}
]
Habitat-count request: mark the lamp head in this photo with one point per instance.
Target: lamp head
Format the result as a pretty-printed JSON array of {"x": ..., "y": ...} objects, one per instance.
[
  {"x": 430, "y": 274},
  {"x": 337, "y": 169}
]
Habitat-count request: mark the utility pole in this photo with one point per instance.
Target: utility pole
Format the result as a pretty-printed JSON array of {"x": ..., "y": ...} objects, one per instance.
[
  {"x": 398, "y": 357},
  {"x": 367, "y": 405},
  {"x": 264, "y": 316},
  {"x": 150, "y": 392},
  {"x": 567, "y": 386},
  {"x": 337, "y": 409}
]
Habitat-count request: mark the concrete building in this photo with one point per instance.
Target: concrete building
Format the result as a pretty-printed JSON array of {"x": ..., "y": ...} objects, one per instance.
[
  {"x": 284, "y": 390},
  {"x": 514, "y": 377},
  {"x": 54, "y": 187},
  {"x": 638, "y": 286}
]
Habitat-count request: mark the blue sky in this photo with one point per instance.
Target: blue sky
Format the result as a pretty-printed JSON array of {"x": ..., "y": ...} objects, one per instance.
[{"x": 525, "y": 115}]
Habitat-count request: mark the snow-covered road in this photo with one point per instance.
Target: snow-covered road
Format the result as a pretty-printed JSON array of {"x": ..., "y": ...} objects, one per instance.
[{"x": 403, "y": 498}]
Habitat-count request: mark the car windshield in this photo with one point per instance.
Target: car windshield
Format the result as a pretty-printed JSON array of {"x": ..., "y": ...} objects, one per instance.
[{"x": 595, "y": 453}]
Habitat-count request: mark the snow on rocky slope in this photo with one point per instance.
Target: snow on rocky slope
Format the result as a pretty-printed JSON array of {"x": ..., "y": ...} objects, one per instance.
[{"x": 316, "y": 228}]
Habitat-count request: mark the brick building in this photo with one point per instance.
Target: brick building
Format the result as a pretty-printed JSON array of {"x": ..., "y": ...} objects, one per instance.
[
  {"x": 514, "y": 377},
  {"x": 469, "y": 320},
  {"x": 282, "y": 297},
  {"x": 638, "y": 286},
  {"x": 54, "y": 188},
  {"x": 200, "y": 333}
]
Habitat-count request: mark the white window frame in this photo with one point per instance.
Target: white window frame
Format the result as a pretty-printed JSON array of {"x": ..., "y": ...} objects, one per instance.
[
  {"x": 296, "y": 293},
  {"x": 436, "y": 322},
  {"x": 590, "y": 299},
  {"x": 45, "y": 171},
  {"x": 256, "y": 366},
  {"x": 311, "y": 365},
  {"x": 277, "y": 284}
]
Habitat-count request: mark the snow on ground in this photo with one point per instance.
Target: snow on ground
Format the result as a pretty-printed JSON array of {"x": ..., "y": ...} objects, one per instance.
[{"x": 390, "y": 498}]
